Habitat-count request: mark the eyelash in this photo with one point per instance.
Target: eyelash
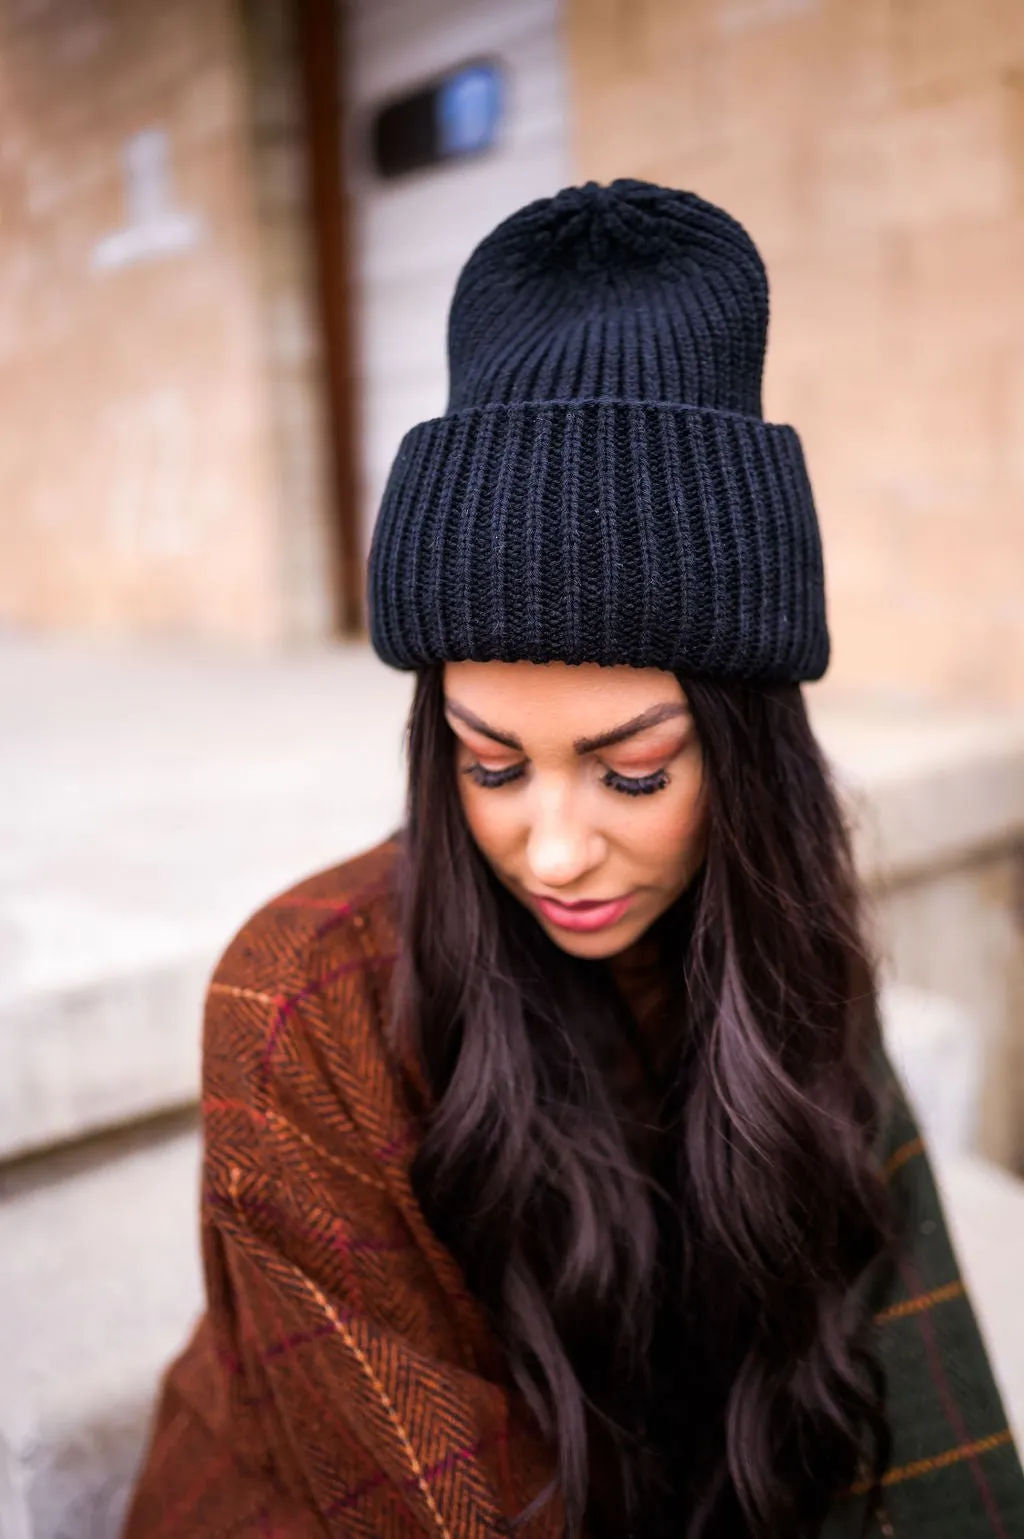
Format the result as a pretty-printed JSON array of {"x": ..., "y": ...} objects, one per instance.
[{"x": 626, "y": 785}]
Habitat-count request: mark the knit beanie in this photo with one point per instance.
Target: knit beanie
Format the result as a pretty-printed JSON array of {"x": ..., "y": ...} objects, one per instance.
[{"x": 602, "y": 486}]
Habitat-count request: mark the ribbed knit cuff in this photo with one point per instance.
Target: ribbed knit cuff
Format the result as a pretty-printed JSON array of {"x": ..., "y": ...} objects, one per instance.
[{"x": 601, "y": 531}]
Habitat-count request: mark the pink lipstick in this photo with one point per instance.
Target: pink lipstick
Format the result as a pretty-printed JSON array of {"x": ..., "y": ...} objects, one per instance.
[{"x": 591, "y": 914}]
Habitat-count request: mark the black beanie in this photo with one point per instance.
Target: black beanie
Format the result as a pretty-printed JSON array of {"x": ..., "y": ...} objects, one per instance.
[{"x": 602, "y": 487}]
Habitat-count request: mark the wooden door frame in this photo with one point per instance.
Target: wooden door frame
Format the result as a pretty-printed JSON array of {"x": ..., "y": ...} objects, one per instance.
[{"x": 320, "y": 29}]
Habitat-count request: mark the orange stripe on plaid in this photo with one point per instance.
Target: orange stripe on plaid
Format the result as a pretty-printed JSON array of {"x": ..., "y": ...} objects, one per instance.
[
  {"x": 921, "y": 1302},
  {"x": 329, "y": 1311},
  {"x": 905, "y": 1152},
  {"x": 215, "y": 1103},
  {"x": 940, "y": 1461},
  {"x": 382, "y": 1395},
  {"x": 240, "y": 993}
]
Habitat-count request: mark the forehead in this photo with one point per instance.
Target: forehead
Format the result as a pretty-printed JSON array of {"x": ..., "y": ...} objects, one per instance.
[{"x": 557, "y": 702}]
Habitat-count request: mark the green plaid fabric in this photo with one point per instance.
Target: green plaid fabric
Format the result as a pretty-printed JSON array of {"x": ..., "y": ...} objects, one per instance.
[{"x": 954, "y": 1473}]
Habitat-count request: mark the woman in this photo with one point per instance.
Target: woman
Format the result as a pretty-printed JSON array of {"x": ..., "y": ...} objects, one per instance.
[{"x": 555, "y": 1181}]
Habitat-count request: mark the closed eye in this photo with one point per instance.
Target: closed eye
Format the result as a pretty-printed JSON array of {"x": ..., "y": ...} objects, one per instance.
[
  {"x": 626, "y": 785},
  {"x": 492, "y": 779},
  {"x": 636, "y": 785}
]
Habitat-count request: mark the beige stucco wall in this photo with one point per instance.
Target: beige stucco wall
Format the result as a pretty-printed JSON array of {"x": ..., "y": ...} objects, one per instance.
[
  {"x": 876, "y": 152},
  {"x": 136, "y": 492},
  {"x": 294, "y": 362}
]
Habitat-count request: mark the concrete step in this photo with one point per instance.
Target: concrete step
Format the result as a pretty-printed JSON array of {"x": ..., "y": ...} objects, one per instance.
[
  {"x": 935, "y": 1047},
  {"x": 148, "y": 802},
  {"x": 985, "y": 1209},
  {"x": 100, "y": 1284}
]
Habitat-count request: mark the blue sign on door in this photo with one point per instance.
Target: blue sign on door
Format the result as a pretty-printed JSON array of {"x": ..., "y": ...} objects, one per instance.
[
  {"x": 456, "y": 115},
  {"x": 469, "y": 109}
]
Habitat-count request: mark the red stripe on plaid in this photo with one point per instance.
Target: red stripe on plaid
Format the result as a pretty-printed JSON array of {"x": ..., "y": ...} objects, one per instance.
[
  {"x": 358, "y": 1494},
  {"x": 351, "y": 909},
  {"x": 410, "y": 1483},
  {"x": 954, "y": 1415},
  {"x": 408, "y": 1137},
  {"x": 311, "y": 990},
  {"x": 291, "y": 1343},
  {"x": 405, "y": 1140},
  {"x": 344, "y": 1243},
  {"x": 337, "y": 908}
]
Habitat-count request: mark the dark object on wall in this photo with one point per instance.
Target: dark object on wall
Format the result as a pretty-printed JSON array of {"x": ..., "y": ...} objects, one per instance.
[{"x": 456, "y": 115}]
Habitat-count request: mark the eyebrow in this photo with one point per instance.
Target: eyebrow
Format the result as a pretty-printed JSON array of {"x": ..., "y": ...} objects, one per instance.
[{"x": 652, "y": 717}]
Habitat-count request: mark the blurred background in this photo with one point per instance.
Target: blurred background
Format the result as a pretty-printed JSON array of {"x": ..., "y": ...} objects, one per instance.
[{"x": 228, "y": 237}]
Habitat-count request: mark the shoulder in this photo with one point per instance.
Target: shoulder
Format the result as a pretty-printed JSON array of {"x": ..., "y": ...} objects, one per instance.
[
  {"x": 339, "y": 914},
  {"x": 301, "y": 991},
  {"x": 305, "y": 1108}
]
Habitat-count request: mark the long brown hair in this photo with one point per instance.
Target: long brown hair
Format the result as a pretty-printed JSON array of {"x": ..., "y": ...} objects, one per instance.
[{"x": 713, "y": 1301}]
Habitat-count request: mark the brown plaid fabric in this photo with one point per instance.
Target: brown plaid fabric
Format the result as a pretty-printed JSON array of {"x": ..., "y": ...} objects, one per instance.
[{"x": 343, "y": 1383}]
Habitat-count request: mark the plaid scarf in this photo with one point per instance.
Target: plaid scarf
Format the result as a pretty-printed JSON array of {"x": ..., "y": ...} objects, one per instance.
[{"x": 343, "y": 1383}]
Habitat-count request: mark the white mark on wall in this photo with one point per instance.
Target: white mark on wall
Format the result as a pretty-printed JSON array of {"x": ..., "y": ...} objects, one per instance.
[
  {"x": 151, "y": 444},
  {"x": 747, "y": 15},
  {"x": 154, "y": 226}
]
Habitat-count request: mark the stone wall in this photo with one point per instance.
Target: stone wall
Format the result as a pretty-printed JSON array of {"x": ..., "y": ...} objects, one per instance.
[
  {"x": 136, "y": 488},
  {"x": 875, "y": 148}
]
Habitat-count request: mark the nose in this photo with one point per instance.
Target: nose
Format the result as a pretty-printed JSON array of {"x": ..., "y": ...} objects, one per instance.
[{"x": 561, "y": 848}]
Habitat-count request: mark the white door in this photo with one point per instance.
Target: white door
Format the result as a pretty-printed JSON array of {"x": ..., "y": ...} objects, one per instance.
[{"x": 412, "y": 234}]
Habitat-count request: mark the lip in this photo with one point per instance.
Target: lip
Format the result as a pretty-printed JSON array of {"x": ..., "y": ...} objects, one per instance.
[{"x": 587, "y": 915}]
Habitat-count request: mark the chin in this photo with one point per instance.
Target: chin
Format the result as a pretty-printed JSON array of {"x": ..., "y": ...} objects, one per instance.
[{"x": 595, "y": 945}]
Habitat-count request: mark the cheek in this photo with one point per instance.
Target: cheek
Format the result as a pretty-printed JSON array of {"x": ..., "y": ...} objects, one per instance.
[
  {"x": 667, "y": 837},
  {"x": 491, "y": 820}
]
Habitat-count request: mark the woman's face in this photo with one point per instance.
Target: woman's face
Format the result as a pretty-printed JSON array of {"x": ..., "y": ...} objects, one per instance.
[{"x": 583, "y": 788}]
